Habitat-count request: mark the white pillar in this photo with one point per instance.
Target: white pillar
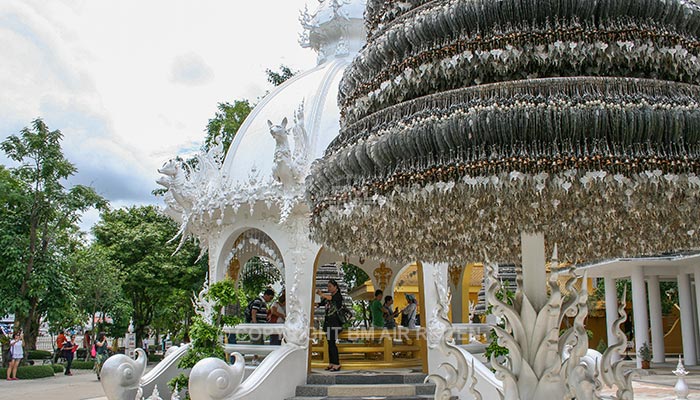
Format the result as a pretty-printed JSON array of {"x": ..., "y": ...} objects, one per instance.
[
  {"x": 640, "y": 310},
  {"x": 456, "y": 304},
  {"x": 656, "y": 317},
  {"x": 687, "y": 329},
  {"x": 697, "y": 292},
  {"x": 534, "y": 274},
  {"x": 432, "y": 274},
  {"x": 611, "y": 315}
]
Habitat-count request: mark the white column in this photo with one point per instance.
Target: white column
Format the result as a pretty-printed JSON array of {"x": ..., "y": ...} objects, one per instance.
[
  {"x": 611, "y": 311},
  {"x": 432, "y": 274},
  {"x": 697, "y": 295},
  {"x": 687, "y": 329},
  {"x": 640, "y": 310},
  {"x": 656, "y": 318},
  {"x": 534, "y": 274}
]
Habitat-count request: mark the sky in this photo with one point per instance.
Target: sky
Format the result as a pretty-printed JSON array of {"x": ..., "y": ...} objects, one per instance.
[{"x": 130, "y": 83}]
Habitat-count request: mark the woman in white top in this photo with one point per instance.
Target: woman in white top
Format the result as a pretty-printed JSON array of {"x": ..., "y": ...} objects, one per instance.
[
  {"x": 409, "y": 312},
  {"x": 277, "y": 315},
  {"x": 16, "y": 355}
]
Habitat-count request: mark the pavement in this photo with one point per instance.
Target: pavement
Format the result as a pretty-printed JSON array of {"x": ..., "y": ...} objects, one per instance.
[{"x": 83, "y": 385}]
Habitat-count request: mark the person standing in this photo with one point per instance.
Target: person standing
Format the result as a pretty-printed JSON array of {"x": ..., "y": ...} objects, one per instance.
[
  {"x": 67, "y": 352},
  {"x": 16, "y": 355},
  {"x": 376, "y": 310},
  {"x": 101, "y": 352},
  {"x": 277, "y": 315},
  {"x": 59, "y": 345},
  {"x": 333, "y": 302},
  {"x": 389, "y": 314},
  {"x": 409, "y": 312},
  {"x": 258, "y": 313}
]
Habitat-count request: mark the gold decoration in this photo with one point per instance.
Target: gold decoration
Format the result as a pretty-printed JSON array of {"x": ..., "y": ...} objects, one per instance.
[
  {"x": 234, "y": 267},
  {"x": 382, "y": 275},
  {"x": 455, "y": 272}
]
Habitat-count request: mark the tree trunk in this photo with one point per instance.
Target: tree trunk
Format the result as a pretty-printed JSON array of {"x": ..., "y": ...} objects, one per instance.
[{"x": 30, "y": 325}]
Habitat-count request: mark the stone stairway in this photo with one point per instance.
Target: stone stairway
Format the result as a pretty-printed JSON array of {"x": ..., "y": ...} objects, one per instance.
[{"x": 365, "y": 385}]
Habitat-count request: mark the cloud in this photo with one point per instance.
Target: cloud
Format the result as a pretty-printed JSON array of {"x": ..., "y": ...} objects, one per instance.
[{"x": 190, "y": 69}]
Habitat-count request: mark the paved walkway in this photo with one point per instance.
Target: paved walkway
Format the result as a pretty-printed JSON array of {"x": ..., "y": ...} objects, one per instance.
[{"x": 82, "y": 385}]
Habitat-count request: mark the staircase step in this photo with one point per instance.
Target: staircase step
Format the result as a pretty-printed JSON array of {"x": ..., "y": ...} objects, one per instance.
[
  {"x": 368, "y": 378},
  {"x": 421, "y": 397},
  {"x": 378, "y": 389}
]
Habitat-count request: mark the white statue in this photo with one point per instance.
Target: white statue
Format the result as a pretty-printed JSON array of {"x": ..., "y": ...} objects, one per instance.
[{"x": 290, "y": 167}]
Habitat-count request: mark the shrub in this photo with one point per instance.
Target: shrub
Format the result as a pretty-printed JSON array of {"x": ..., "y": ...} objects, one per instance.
[
  {"x": 155, "y": 358},
  {"x": 31, "y": 372},
  {"x": 57, "y": 368},
  {"x": 80, "y": 354},
  {"x": 39, "y": 354},
  {"x": 79, "y": 364}
]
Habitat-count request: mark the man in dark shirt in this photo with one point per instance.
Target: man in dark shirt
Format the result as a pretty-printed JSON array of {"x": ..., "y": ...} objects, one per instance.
[{"x": 258, "y": 313}]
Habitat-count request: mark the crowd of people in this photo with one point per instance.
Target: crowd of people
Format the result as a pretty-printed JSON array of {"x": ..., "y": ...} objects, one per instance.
[{"x": 66, "y": 349}]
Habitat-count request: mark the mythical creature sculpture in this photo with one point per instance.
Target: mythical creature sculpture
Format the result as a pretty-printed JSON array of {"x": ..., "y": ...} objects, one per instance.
[{"x": 290, "y": 167}]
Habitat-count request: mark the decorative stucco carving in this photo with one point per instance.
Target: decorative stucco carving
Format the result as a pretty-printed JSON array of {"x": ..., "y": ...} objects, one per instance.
[
  {"x": 199, "y": 193},
  {"x": 212, "y": 378},
  {"x": 382, "y": 274},
  {"x": 122, "y": 374}
]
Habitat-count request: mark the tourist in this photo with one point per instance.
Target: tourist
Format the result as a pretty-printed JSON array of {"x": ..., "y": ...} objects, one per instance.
[
  {"x": 376, "y": 310},
  {"x": 59, "y": 345},
  {"x": 333, "y": 301},
  {"x": 101, "y": 352},
  {"x": 67, "y": 352},
  {"x": 277, "y": 315},
  {"x": 408, "y": 314},
  {"x": 87, "y": 343},
  {"x": 256, "y": 313},
  {"x": 388, "y": 313},
  {"x": 16, "y": 355}
]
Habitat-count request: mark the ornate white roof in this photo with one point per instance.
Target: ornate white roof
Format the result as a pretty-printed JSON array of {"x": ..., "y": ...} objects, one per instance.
[{"x": 270, "y": 156}]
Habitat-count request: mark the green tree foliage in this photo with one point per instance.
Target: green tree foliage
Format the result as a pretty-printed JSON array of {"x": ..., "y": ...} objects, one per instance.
[
  {"x": 257, "y": 274},
  {"x": 353, "y": 275},
  {"x": 279, "y": 77},
  {"x": 137, "y": 238},
  {"x": 226, "y": 122},
  {"x": 45, "y": 216},
  {"x": 98, "y": 290}
]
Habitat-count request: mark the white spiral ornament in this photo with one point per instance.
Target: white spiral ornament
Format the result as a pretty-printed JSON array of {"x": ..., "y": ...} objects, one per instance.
[
  {"x": 121, "y": 374},
  {"x": 212, "y": 378}
]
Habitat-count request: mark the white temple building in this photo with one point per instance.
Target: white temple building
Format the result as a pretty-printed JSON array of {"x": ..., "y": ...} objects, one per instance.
[{"x": 257, "y": 200}]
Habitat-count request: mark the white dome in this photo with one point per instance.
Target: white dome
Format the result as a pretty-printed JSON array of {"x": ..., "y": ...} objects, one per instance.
[{"x": 336, "y": 31}]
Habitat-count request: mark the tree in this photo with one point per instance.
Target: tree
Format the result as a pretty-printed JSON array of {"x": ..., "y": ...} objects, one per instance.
[
  {"x": 137, "y": 238},
  {"x": 278, "y": 78},
  {"x": 98, "y": 290},
  {"x": 257, "y": 274},
  {"x": 48, "y": 228},
  {"x": 226, "y": 122}
]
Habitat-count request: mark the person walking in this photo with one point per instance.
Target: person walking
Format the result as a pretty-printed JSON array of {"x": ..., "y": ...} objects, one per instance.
[
  {"x": 101, "y": 352},
  {"x": 67, "y": 352},
  {"x": 59, "y": 345},
  {"x": 16, "y": 355},
  {"x": 376, "y": 310},
  {"x": 333, "y": 302},
  {"x": 277, "y": 315}
]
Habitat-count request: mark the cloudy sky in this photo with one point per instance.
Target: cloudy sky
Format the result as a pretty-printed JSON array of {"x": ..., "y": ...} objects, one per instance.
[{"x": 131, "y": 83}]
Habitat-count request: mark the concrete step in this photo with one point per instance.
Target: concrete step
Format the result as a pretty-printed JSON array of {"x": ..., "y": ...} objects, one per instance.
[
  {"x": 381, "y": 390},
  {"x": 426, "y": 397},
  {"x": 364, "y": 378}
]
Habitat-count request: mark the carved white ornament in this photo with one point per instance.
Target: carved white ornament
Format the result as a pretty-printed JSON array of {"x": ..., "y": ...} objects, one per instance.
[
  {"x": 203, "y": 305},
  {"x": 199, "y": 193},
  {"x": 540, "y": 362}
]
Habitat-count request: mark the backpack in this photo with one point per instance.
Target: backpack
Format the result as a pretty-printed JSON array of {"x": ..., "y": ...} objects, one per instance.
[
  {"x": 93, "y": 352},
  {"x": 344, "y": 315}
]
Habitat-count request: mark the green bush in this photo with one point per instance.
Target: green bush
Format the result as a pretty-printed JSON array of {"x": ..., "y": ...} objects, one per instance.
[
  {"x": 31, "y": 372},
  {"x": 57, "y": 368},
  {"x": 39, "y": 354},
  {"x": 155, "y": 358},
  {"x": 80, "y": 354},
  {"x": 79, "y": 364}
]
